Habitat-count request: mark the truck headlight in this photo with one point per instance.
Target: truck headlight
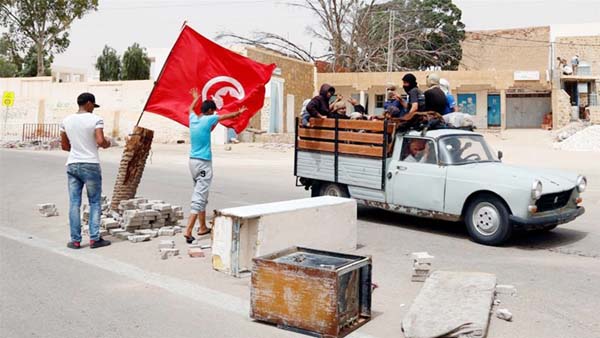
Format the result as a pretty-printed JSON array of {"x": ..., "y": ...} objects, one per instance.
[
  {"x": 581, "y": 183},
  {"x": 536, "y": 190}
]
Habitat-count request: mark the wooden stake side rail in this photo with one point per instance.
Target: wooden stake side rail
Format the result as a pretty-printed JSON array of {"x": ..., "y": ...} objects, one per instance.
[
  {"x": 374, "y": 126},
  {"x": 325, "y": 134},
  {"x": 351, "y": 149}
]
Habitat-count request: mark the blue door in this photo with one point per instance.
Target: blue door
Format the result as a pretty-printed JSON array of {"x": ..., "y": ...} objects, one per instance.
[{"x": 493, "y": 110}]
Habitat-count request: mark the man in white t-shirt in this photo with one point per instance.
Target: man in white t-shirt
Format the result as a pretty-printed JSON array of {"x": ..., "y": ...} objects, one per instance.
[{"x": 81, "y": 134}]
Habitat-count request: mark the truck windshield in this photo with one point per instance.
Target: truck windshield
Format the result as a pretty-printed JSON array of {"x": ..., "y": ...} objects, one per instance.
[{"x": 462, "y": 149}]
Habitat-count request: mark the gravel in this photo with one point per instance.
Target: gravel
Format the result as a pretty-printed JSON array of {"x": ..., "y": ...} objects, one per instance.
[
  {"x": 587, "y": 139},
  {"x": 569, "y": 130}
]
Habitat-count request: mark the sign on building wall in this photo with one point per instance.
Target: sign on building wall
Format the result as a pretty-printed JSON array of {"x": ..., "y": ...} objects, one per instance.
[
  {"x": 526, "y": 75},
  {"x": 8, "y": 99}
]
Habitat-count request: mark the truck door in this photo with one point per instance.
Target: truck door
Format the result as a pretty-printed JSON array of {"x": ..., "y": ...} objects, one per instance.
[{"x": 416, "y": 178}]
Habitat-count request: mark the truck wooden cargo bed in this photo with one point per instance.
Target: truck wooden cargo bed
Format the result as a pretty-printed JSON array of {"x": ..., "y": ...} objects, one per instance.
[{"x": 351, "y": 152}]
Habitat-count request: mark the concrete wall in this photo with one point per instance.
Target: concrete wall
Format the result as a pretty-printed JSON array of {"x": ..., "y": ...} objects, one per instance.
[
  {"x": 507, "y": 49},
  {"x": 39, "y": 100}
]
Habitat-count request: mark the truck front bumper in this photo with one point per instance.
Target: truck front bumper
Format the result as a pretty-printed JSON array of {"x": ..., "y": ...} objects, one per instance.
[{"x": 548, "y": 220}]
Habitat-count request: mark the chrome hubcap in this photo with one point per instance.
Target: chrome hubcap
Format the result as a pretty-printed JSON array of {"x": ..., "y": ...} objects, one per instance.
[{"x": 486, "y": 219}]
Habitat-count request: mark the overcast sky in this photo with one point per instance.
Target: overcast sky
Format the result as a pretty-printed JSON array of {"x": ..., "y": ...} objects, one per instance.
[{"x": 156, "y": 23}]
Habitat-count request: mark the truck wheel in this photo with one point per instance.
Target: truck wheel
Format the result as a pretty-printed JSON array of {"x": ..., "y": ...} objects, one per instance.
[
  {"x": 487, "y": 220},
  {"x": 332, "y": 189}
]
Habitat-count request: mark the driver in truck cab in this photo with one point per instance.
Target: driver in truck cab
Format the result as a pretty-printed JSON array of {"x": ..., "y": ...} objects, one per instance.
[{"x": 419, "y": 151}]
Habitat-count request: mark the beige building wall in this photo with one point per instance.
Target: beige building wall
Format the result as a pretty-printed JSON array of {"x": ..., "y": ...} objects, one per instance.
[
  {"x": 298, "y": 77},
  {"x": 507, "y": 49},
  {"x": 587, "y": 47}
]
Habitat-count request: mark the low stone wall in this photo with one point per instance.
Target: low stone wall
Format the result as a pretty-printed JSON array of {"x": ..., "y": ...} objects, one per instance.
[
  {"x": 561, "y": 108},
  {"x": 594, "y": 114}
]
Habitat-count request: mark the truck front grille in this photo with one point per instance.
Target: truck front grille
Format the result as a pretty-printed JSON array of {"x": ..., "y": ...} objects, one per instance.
[{"x": 553, "y": 201}]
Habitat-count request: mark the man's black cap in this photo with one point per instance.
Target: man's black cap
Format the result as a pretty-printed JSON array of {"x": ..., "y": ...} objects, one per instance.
[{"x": 84, "y": 98}]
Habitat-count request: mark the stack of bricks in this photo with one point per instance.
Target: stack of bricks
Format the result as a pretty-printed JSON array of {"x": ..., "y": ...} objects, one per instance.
[
  {"x": 132, "y": 165},
  {"x": 47, "y": 209},
  {"x": 104, "y": 207},
  {"x": 421, "y": 266}
]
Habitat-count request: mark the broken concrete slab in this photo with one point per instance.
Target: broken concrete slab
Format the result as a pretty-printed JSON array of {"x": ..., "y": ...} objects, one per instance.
[{"x": 451, "y": 304}]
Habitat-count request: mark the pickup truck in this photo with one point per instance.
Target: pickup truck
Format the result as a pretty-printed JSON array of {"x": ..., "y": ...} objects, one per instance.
[{"x": 447, "y": 174}]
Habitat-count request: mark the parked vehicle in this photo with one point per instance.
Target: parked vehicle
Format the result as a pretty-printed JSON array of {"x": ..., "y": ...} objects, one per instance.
[{"x": 447, "y": 174}]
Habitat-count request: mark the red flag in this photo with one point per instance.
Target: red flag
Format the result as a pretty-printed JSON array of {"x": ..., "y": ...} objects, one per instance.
[{"x": 231, "y": 80}]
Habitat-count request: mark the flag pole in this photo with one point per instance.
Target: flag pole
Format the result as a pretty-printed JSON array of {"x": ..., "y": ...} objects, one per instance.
[{"x": 160, "y": 74}]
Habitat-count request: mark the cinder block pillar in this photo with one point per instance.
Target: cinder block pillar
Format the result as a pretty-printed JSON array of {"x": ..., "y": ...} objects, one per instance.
[{"x": 132, "y": 165}]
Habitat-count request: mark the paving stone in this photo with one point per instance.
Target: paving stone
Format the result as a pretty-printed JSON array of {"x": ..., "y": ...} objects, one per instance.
[
  {"x": 165, "y": 253},
  {"x": 166, "y": 244},
  {"x": 422, "y": 257},
  {"x": 124, "y": 235},
  {"x": 195, "y": 252},
  {"x": 116, "y": 231},
  {"x": 139, "y": 238},
  {"x": 504, "y": 314}
]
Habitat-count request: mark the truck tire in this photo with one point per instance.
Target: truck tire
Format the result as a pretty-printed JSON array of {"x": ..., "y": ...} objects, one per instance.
[
  {"x": 487, "y": 220},
  {"x": 333, "y": 189}
]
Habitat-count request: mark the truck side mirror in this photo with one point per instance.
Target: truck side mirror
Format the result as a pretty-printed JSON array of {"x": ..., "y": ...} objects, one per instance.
[{"x": 500, "y": 155}]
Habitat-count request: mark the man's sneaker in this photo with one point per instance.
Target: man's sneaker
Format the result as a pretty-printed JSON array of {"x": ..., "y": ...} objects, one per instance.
[
  {"x": 99, "y": 243},
  {"x": 74, "y": 245}
]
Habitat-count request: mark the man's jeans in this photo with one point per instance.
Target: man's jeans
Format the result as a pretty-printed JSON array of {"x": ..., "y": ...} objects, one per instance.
[{"x": 87, "y": 174}]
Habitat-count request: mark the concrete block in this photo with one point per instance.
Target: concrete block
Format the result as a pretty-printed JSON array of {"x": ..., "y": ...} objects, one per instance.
[
  {"x": 151, "y": 233},
  {"x": 116, "y": 231},
  {"x": 166, "y": 244},
  {"x": 418, "y": 279},
  {"x": 177, "y": 229},
  {"x": 162, "y": 207},
  {"x": 422, "y": 266},
  {"x": 195, "y": 252},
  {"x": 139, "y": 238},
  {"x": 123, "y": 235},
  {"x": 327, "y": 223}
]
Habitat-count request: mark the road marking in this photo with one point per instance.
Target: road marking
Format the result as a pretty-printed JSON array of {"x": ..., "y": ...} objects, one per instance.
[{"x": 177, "y": 286}]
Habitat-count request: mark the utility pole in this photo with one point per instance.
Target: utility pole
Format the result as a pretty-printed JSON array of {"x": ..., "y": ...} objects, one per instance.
[{"x": 390, "y": 56}]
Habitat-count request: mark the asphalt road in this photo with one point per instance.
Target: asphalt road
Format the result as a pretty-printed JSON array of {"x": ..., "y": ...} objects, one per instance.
[{"x": 126, "y": 290}]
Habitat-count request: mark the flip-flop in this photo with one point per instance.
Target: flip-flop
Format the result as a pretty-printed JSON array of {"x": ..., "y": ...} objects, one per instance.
[
  {"x": 189, "y": 239},
  {"x": 205, "y": 233}
]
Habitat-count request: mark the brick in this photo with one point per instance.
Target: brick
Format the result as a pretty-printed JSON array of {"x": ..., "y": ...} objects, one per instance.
[
  {"x": 165, "y": 253},
  {"x": 166, "y": 244},
  {"x": 138, "y": 238},
  {"x": 116, "y": 231},
  {"x": 123, "y": 235},
  {"x": 177, "y": 229},
  {"x": 422, "y": 257},
  {"x": 195, "y": 252}
]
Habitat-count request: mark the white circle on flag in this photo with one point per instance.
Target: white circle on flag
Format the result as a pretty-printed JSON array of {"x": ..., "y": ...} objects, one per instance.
[{"x": 233, "y": 88}]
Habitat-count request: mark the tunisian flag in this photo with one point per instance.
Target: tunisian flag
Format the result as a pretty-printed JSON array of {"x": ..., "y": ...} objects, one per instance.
[{"x": 229, "y": 79}]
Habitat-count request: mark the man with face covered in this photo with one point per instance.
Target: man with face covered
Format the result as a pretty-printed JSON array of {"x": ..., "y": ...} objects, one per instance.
[
  {"x": 416, "y": 98},
  {"x": 319, "y": 106}
]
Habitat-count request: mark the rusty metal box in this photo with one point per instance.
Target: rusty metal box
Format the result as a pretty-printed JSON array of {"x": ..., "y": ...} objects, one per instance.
[{"x": 322, "y": 293}]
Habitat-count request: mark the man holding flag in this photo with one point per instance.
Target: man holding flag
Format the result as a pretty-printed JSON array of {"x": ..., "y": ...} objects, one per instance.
[
  {"x": 227, "y": 82},
  {"x": 201, "y": 159}
]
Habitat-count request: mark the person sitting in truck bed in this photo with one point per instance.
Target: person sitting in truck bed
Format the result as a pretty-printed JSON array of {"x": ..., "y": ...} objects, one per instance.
[{"x": 319, "y": 106}]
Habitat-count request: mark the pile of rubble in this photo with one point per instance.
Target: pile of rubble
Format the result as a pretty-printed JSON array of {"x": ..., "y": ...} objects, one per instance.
[
  {"x": 569, "y": 130},
  {"x": 421, "y": 266},
  {"x": 138, "y": 219},
  {"x": 587, "y": 139},
  {"x": 33, "y": 145}
]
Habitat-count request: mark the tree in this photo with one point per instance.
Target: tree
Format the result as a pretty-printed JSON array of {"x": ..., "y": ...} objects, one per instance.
[
  {"x": 30, "y": 64},
  {"x": 136, "y": 63},
  {"x": 109, "y": 65},
  {"x": 42, "y": 24},
  {"x": 423, "y": 33},
  {"x": 9, "y": 66}
]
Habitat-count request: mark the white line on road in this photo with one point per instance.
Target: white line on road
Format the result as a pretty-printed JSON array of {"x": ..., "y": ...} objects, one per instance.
[{"x": 177, "y": 286}]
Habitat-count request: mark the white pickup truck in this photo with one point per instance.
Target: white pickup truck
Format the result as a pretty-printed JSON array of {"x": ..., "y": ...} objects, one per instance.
[{"x": 447, "y": 174}]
